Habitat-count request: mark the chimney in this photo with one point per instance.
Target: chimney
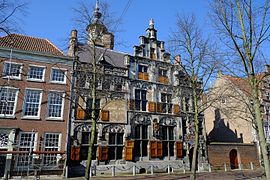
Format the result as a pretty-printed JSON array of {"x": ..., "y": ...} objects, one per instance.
[
  {"x": 177, "y": 60},
  {"x": 72, "y": 43}
]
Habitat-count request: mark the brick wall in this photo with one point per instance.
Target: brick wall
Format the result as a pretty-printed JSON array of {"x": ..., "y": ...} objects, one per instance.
[
  {"x": 218, "y": 153},
  {"x": 41, "y": 125}
]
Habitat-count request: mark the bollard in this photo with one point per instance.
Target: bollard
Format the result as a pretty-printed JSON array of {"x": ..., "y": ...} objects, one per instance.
[
  {"x": 168, "y": 169},
  {"x": 184, "y": 170},
  {"x": 152, "y": 169},
  {"x": 239, "y": 166},
  {"x": 225, "y": 167},
  {"x": 251, "y": 166},
  {"x": 90, "y": 173},
  {"x": 113, "y": 171},
  {"x": 134, "y": 170},
  {"x": 209, "y": 168},
  {"x": 172, "y": 170}
]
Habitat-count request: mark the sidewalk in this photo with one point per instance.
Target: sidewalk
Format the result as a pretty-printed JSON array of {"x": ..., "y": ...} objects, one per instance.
[{"x": 237, "y": 175}]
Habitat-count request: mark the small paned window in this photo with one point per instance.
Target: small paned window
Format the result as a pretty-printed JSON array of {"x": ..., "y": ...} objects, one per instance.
[
  {"x": 55, "y": 105},
  {"x": 58, "y": 76},
  {"x": 32, "y": 101},
  {"x": 36, "y": 73},
  {"x": 12, "y": 70},
  {"x": 8, "y": 99}
]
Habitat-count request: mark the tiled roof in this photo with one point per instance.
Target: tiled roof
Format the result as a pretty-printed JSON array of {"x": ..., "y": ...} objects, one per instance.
[
  {"x": 243, "y": 83},
  {"x": 32, "y": 44},
  {"x": 111, "y": 57}
]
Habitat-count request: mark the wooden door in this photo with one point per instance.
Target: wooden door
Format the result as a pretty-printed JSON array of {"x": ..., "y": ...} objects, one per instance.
[{"x": 233, "y": 159}]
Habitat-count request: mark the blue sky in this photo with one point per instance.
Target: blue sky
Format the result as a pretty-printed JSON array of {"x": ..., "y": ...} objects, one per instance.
[{"x": 53, "y": 19}]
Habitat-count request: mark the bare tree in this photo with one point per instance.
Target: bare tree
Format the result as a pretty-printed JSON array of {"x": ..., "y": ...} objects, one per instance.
[
  {"x": 199, "y": 64},
  {"x": 84, "y": 17},
  {"x": 243, "y": 27},
  {"x": 9, "y": 15},
  {"x": 91, "y": 72}
]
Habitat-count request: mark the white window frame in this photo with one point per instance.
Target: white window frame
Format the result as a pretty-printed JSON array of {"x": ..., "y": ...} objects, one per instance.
[
  {"x": 32, "y": 148},
  {"x": 58, "y": 148},
  {"x": 15, "y": 102},
  {"x": 13, "y": 77},
  {"x": 24, "y": 104},
  {"x": 34, "y": 79},
  {"x": 62, "y": 106},
  {"x": 65, "y": 75}
]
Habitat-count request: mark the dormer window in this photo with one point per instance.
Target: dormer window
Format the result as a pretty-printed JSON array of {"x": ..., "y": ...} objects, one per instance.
[{"x": 142, "y": 73}]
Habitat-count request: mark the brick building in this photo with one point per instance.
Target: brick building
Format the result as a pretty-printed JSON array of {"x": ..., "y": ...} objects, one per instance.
[
  {"x": 229, "y": 121},
  {"x": 35, "y": 82}
]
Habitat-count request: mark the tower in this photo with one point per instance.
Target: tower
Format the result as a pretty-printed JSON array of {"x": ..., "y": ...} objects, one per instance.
[{"x": 98, "y": 32}]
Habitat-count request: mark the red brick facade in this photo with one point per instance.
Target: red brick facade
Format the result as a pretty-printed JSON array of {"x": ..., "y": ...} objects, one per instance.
[{"x": 219, "y": 153}]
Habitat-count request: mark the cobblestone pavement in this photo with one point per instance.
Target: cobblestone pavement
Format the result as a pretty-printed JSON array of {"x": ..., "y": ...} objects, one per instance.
[{"x": 233, "y": 175}]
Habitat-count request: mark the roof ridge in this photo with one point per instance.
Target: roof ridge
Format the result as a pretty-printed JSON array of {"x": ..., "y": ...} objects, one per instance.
[{"x": 31, "y": 43}]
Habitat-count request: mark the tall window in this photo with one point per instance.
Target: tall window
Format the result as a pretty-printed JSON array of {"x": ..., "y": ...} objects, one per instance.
[
  {"x": 32, "y": 101},
  {"x": 36, "y": 73},
  {"x": 51, "y": 143},
  {"x": 55, "y": 105},
  {"x": 26, "y": 143},
  {"x": 8, "y": 98},
  {"x": 166, "y": 100},
  {"x": 141, "y": 140},
  {"x": 168, "y": 140},
  {"x": 86, "y": 136},
  {"x": 89, "y": 107},
  {"x": 140, "y": 100},
  {"x": 115, "y": 146},
  {"x": 58, "y": 76},
  {"x": 13, "y": 70}
]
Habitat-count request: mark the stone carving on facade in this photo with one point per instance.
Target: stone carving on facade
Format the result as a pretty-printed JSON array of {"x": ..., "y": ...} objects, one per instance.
[
  {"x": 167, "y": 121},
  {"x": 83, "y": 127},
  {"x": 141, "y": 119},
  {"x": 114, "y": 128}
]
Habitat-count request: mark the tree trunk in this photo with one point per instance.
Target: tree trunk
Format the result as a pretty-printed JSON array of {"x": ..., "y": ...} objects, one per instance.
[
  {"x": 259, "y": 121},
  {"x": 196, "y": 141},
  {"x": 93, "y": 118}
]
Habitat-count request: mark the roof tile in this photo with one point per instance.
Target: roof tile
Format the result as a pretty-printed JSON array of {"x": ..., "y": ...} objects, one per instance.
[{"x": 28, "y": 43}]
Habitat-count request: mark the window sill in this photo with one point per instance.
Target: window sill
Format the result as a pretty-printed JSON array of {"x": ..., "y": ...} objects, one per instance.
[
  {"x": 30, "y": 118},
  {"x": 8, "y": 117},
  {"x": 12, "y": 78},
  {"x": 56, "y": 82},
  {"x": 54, "y": 119},
  {"x": 36, "y": 80}
]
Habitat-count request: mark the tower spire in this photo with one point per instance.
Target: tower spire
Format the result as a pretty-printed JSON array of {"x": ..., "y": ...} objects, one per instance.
[
  {"x": 151, "y": 32},
  {"x": 97, "y": 14},
  {"x": 151, "y": 23}
]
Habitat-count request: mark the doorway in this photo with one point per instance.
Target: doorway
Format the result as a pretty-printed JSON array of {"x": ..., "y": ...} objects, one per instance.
[{"x": 233, "y": 159}]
